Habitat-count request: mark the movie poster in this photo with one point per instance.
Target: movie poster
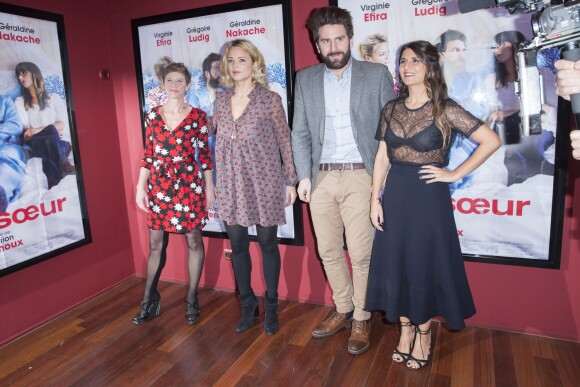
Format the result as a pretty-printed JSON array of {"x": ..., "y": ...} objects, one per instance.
[
  {"x": 504, "y": 208},
  {"x": 41, "y": 202},
  {"x": 193, "y": 40}
]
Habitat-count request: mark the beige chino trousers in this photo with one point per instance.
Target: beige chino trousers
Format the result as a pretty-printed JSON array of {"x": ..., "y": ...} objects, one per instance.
[{"x": 340, "y": 203}]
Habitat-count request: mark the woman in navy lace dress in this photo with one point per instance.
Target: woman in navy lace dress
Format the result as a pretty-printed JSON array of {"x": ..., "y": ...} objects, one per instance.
[{"x": 417, "y": 269}]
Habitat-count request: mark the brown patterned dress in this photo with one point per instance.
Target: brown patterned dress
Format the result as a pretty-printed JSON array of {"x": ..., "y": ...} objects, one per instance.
[{"x": 253, "y": 160}]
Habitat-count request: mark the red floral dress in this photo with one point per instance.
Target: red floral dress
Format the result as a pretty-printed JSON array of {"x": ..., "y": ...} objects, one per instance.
[{"x": 176, "y": 189}]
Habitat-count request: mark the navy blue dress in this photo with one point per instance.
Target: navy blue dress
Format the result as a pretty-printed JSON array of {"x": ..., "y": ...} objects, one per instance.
[{"x": 417, "y": 268}]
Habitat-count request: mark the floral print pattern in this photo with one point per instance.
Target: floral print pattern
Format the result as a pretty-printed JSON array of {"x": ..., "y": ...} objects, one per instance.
[
  {"x": 254, "y": 160},
  {"x": 176, "y": 189}
]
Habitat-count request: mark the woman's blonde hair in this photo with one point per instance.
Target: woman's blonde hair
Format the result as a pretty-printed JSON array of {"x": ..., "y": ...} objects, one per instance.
[
  {"x": 367, "y": 47},
  {"x": 259, "y": 76},
  {"x": 160, "y": 65}
]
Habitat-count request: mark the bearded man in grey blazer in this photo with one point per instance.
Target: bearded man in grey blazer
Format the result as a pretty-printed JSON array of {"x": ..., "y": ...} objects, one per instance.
[{"x": 337, "y": 106}]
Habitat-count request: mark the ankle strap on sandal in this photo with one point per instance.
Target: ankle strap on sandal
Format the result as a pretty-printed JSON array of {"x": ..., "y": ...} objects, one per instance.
[
  {"x": 406, "y": 324},
  {"x": 427, "y": 332}
]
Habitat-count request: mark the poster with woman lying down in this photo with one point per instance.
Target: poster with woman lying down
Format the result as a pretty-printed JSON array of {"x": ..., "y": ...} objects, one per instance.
[{"x": 42, "y": 208}]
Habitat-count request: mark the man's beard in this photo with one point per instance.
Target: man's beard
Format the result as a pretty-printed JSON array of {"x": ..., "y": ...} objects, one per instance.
[
  {"x": 212, "y": 82},
  {"x": 456, "y": 67},
  {"x": 337, "y": 63}
]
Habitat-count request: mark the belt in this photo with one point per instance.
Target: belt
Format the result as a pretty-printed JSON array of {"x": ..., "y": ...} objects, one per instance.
[
  {"x": 341, "y": 167},
  {"x": 168, "y": 162},
  {"x": 169, "y": 168}
]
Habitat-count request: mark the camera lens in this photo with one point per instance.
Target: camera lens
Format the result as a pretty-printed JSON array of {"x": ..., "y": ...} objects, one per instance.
[{"x": 536, "y": 27}]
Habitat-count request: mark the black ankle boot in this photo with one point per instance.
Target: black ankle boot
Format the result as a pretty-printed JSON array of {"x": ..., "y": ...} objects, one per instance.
[
  {"x": 271, "y": 323},
  {"x": 249, "y": 304},
  {"x": 191, "y": 311},
  {"x": 148, "y": 310}
]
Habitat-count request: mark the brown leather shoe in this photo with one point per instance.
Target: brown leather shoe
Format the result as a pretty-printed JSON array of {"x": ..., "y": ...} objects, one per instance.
[
  {"x": 360, "y": 334},
  {"x": 331, "y": 325}
]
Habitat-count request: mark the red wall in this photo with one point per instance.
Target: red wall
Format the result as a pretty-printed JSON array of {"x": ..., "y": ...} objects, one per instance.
[
  {"x": 34, "y": 295},
  {"x": 545, "y": 302}
]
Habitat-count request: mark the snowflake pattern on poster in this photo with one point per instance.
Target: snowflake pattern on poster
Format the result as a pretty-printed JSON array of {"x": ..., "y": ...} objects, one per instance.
[
  {"x": 54, "y": 85},
  {"x": 197, "y": 78},
  {"x": 176, "y": 195},
  {"x": 277, "y": 74},
  {"x": 149, "y": 84},
  {"x": 546, "y": 58}
]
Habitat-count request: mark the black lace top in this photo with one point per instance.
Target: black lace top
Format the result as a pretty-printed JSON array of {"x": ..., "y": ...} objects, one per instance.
[{"x": 412, "y": 136}]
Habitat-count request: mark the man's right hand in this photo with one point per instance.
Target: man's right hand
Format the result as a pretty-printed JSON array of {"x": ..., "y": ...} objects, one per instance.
[
  {"x": 304, "y": 188},
  {"x": 567, "y": 78}
]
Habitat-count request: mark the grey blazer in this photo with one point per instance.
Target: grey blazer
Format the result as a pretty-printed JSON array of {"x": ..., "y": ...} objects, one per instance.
[{"x": 371, "y": 88}]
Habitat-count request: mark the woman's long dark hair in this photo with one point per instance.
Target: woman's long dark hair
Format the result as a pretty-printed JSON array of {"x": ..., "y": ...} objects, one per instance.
[
  {"x": 37, "y": 81},
  {"x": 513, "y": 37},
  {"x": 434, "y": 82}
]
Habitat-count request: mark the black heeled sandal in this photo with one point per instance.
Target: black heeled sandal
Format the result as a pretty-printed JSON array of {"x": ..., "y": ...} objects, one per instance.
[
  {"x": 419, "y": 362},
  {"x": 191, "y": 312},
  {"x": 404, "y": 356},
  {"x": 148, "y": 310}
]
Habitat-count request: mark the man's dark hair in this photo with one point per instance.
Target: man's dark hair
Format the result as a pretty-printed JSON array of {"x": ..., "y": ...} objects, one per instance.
[
  {"x": 449, "y": 36},
  {"x": 329, "y": 15},
  {"x": 213, "y": 57}
]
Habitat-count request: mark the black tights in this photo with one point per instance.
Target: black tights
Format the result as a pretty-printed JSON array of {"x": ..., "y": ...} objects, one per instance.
[
  {"x": 158, "y": 241},
  {"x": 242, "y": 261}
]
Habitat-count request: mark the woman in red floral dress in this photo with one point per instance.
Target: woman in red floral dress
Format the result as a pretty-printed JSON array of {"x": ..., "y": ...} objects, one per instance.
[
  {"x": 255, "y": 173},
  {"x": 172, "y": 190}
]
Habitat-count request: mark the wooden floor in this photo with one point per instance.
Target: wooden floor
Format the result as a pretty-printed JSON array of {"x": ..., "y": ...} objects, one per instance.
[{"x": 97, "y": 345}]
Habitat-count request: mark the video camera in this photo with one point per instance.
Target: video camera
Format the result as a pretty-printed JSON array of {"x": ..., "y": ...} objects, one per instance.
[{"x": 554, "y": 24}]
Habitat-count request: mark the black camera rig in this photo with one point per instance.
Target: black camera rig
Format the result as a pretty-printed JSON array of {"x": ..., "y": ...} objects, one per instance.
[{"x": 555, "y": 24}]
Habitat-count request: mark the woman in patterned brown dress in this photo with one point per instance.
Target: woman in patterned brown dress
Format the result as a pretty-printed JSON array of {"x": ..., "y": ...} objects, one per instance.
[
  {"x": 255, "y": 173},
  {"x": 172, "y": 190}
]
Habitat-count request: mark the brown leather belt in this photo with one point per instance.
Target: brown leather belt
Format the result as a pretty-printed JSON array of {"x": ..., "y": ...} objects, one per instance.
[{"x": 341, "y": 167}]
